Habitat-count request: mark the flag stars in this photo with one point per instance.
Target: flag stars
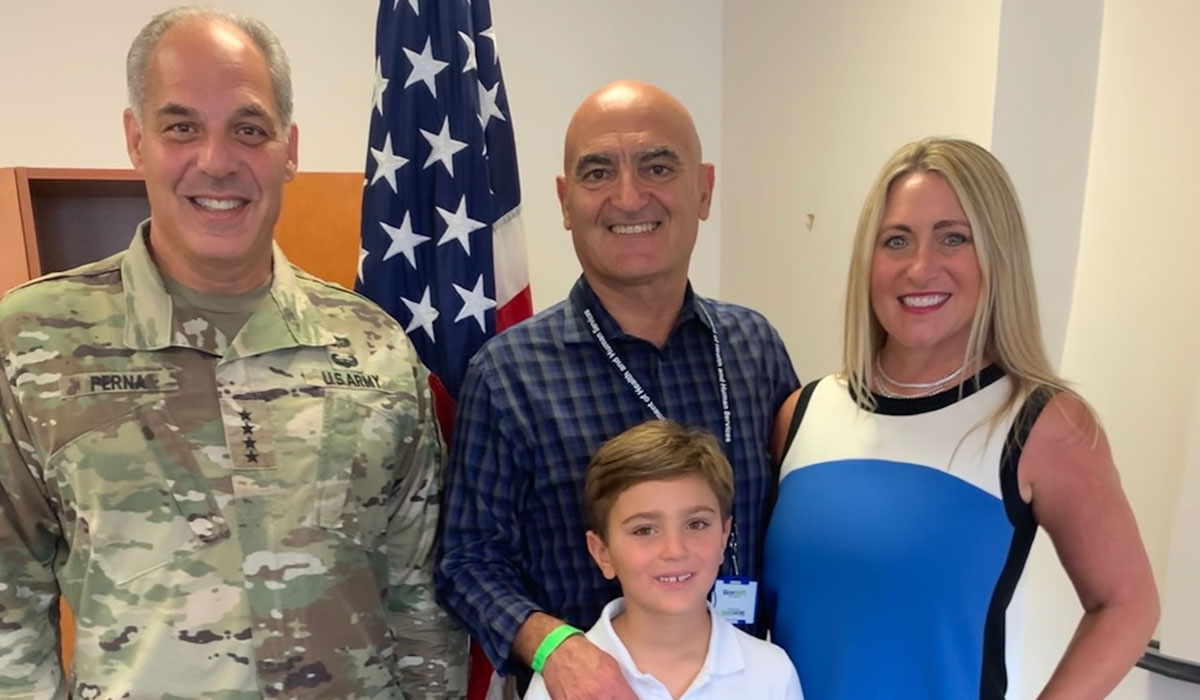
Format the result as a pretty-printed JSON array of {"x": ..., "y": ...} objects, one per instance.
[
  {"x": 443, "y": 147},
  {"x": 475, "y": 304},
  {"x": 423, "y": 315},
  {"x": 458, "y": 225},
  {"x": 381, "y": 84},
  {"x": 470, "y": 63},
  {"x": 490, "y": 33},
  {"x": 424, "y": 67},
  {"x": 386, "y": 163},
  {"x": 487, "y": 104},
  {"x": 362, "y": 258},
  {"x": 404, "y": 241}
]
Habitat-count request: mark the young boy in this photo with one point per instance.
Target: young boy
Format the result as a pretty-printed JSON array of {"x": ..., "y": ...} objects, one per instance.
[{"x": 658, "y": 499}]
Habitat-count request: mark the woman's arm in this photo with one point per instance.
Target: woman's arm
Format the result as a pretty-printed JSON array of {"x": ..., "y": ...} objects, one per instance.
[
  {"x": 783, "y": 421},
  {"x": 1067, "y": 473}
]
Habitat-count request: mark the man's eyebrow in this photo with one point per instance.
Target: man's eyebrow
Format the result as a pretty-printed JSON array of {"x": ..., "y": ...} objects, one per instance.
[
  {"x": 171, "y": 109},
  {"x": 660, "y": 152},
  {"x": 588, "y": 160},
  {"x": 251, "y": 110}
]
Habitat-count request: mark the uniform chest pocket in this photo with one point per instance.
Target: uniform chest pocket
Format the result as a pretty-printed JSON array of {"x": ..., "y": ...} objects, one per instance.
[
  {"x": 138, "y": 494},
  {"x": 358, "y": 457}
]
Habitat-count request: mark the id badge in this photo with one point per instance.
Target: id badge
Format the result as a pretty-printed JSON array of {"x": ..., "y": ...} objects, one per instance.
[{"x": 735, "y": 598}]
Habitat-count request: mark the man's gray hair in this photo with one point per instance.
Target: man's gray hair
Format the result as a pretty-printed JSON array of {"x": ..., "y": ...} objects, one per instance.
[{"x": 138, "y": 59}]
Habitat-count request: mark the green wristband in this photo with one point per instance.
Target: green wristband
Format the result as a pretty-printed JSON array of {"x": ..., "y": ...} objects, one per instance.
[{"x": 552, "y": 641}]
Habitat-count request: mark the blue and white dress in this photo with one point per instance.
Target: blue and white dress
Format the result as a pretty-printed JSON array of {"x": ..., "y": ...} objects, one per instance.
[{"x": 895, "y": 551}]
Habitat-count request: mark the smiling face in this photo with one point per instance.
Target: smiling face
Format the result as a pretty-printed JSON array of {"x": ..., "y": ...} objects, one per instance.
[
  {"x": 634, "y": 191},
  {"x": 213, "y": 154},
  {"x": 925, "y": 276},
  {"x": 665, "y": 541}
]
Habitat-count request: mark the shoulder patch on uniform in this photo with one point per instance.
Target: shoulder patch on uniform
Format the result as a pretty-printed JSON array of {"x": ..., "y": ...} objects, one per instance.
[{"x": 128, "y": 381}]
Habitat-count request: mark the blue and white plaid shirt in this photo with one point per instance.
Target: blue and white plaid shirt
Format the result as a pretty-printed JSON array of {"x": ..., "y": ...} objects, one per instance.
[{"x": 536, "y": 402}]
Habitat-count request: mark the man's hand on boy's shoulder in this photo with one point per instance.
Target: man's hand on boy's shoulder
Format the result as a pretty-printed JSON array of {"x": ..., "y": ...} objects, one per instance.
[{"x": 579, "y": 670}]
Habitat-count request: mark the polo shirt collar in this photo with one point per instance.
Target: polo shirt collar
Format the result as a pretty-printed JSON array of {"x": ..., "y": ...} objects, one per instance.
[{"x": 724, "y": 652}]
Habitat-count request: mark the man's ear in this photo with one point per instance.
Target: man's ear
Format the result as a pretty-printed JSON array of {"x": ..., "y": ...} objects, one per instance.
[
  {"x": 599, "y": 552},
  {"x": 133, "y": 139},
  {"x": 293, "y": 150},
  {"x": 708, "y": 178},
  {"x": 560, "y": 184}
]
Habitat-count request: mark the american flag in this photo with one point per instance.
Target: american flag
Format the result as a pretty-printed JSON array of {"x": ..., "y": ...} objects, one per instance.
[{"x": 443, "y": 250}]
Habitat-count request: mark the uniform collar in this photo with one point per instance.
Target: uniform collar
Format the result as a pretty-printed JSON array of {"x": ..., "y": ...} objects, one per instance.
[
  {"x": 582, "y": 296},
  {"x": 288, "y": 320}
]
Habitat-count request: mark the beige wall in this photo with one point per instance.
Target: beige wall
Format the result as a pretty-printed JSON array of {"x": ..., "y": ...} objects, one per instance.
[
  {"x": 1133, "y": 342},
  {"x": 817, "y": 95}
]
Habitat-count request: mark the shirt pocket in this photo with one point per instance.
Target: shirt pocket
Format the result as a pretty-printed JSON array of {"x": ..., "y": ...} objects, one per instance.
[
  {"x": 358, "y": 458},
  {"x": 141, "y": 501}
]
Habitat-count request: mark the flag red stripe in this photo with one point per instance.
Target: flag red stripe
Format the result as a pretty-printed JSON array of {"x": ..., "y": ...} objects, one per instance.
[{"x": 516, "y": 310}]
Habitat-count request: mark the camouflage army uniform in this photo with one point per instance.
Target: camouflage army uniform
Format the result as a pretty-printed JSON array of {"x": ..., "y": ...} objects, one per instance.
[{"x": 227, "y": 519}]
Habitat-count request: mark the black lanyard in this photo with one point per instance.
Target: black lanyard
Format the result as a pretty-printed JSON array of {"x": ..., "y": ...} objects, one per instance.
[{"x": 640, "y": 392}]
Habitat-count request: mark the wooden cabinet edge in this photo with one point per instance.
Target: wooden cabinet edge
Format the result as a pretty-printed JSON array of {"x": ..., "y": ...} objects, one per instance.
[{"x": 15, "y": 268}]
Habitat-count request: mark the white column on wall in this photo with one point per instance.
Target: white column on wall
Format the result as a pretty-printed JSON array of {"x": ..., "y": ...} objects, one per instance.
[{"x": 1045, "y": 94}]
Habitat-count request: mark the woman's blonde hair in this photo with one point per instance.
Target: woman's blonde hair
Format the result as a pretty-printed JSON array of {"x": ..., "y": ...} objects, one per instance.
[{"x": 1005, "y": 328}]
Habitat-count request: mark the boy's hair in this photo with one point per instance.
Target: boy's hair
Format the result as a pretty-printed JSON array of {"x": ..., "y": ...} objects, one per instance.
[{"x": 654, "y": 451}]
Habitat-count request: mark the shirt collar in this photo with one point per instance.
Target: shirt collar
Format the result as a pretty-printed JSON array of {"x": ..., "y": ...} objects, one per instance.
[
  {"x": 290, "y": 320},
  {"x": 724, "y": 652},
  {"x": 582, "y": 297}
]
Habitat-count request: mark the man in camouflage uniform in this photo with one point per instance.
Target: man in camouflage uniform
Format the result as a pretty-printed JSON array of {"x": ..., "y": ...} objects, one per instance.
[{"x": 229, "y": 468}]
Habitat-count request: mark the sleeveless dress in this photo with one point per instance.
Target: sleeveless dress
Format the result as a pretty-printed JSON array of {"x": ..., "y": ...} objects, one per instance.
[{"x": 895, "y": 551}]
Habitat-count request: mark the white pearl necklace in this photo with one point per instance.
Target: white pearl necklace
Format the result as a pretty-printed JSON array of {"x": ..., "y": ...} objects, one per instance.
[{"x": 925, "y": 388}]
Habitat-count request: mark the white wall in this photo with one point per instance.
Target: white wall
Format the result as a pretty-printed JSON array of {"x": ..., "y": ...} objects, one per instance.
[
  {"x": 1133, "y": 343},
  {"x": 817, "y": 95},
  {"x": 64, "y": 104}
]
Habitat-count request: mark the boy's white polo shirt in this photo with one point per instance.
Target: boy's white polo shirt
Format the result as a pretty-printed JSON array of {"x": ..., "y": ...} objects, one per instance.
[{"x": 737, "y": 666}]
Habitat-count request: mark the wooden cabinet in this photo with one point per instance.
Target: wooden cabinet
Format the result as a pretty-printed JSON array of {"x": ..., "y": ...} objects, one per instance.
[
  {"x": 55, "y": 219},
  {"x": 52, "y": 219}
]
